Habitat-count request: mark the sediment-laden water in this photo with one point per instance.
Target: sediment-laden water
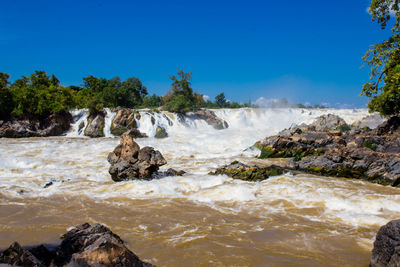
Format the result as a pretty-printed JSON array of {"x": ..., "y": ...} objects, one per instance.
[{"x": 196, "y": 219}]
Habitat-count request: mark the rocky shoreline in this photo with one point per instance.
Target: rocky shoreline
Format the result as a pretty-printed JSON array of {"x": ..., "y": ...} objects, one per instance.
[
  {"x": 330, "y": 147},
  {"x": 83, "y": 245}
]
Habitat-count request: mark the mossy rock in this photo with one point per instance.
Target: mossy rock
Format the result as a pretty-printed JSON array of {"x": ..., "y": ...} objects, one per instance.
[{"x": 161, "y": 133}]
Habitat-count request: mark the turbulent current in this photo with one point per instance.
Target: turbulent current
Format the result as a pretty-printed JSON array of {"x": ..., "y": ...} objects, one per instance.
[{"x": 50, "y": 184}]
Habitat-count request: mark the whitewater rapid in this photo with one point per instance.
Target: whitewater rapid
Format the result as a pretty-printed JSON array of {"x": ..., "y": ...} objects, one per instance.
[{"x": 43, "y": 172}]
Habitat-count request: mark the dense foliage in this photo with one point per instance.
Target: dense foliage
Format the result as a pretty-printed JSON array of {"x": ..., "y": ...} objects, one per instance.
[
  {"x": 41, "y": 94},
  {"x": 181, "y": 97},
  {"x": 384, "y": 60}
]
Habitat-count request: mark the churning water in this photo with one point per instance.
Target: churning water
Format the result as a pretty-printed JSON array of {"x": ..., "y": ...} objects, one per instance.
[{"x": 50, "y": 184}]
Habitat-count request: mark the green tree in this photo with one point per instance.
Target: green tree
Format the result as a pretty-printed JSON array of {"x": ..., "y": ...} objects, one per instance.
[
  {"x": 6, "y": 100},
  {"x": 181, "y": 98},
  {"x": 220, "y": 100},
  {"x": 384, "y": 61},
  {"x": 40, "y": 94}
]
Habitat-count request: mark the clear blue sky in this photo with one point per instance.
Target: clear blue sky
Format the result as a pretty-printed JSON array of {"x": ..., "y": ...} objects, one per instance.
[{"x": 306, "y": 51}]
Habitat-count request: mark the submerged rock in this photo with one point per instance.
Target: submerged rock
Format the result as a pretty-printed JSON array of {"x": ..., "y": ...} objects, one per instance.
[
  {"x": 161, "y": 132},
  {"x": 95, "y": 125},
  {"x": 36, "y": 126},
  {"x": 245, "y": 172},
  {"x": 128, "y": 161},
  {"x": 210, "y": 117},
  {"x": 83, "y": 245},
  {"x": 386, "y": 251}
]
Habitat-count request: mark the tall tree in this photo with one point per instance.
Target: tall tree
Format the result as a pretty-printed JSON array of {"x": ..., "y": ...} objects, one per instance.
[
  {"x": 220, "y": 100},
  {"x": 383, "y": 58},
  {"x": 6, "y": 101}
]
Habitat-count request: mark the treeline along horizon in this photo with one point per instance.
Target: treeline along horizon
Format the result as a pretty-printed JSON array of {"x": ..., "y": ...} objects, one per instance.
[{"x": 41, "y": 94}]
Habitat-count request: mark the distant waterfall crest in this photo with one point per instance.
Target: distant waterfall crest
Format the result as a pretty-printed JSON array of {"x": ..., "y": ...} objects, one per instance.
[{"x": 237, "y": 119}]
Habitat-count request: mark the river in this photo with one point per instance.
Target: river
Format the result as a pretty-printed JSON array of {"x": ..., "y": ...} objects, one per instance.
[{"x": 196, "y": 219}]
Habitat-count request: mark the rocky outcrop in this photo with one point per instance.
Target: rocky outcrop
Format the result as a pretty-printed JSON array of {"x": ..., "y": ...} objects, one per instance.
[
  {"x": 386, "y": 251},
  {"x": 329, "y": 147},
  {"x": 95, "y": 127},
  {"x": 210, "y": 117},
  {"x": 83, "y": 245},
  {"x": 245, "y": 172},
  {"x": 35, "y": 126},
  {"x": 160, "y": 132},
  {"x": 128, "y": 161}
]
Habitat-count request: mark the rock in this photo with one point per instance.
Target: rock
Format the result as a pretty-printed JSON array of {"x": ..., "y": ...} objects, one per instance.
[
  {"x": 36, "y": 126},
  {"x": 161, "y": 132},
  {"x": 370, "y": 121},
  {"x": 327, "y": 122},
  {"x": 134, "y": 133},
  {"x": 391, "y": 126},
  {"x": 15, "y": 255},
  {"x": 83, "y": 245},
  {"x": 95, "y": 125},
  {"x": 87, "y": 245},
  {"x": 128, "y": 161},
  {"x": 210, "y": 117},
  {"x": 386, "y": 251},
  {"x": 373, "y": 155},
  {"x": 124, "y": 121},
  {"x": 245, "y": 172}
]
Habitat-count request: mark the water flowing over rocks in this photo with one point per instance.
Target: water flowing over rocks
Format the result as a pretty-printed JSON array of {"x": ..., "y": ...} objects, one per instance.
[
  {"x": 332, "y": 148},
  {"x": 128, "y": 161},
  {"x": 83, "y": 245},
  {"x": 210, "y": 117},
  {"x": 95, "y": 125},
  {"x": 34, "y": 126},
  {"x": 386, "y": 251}
]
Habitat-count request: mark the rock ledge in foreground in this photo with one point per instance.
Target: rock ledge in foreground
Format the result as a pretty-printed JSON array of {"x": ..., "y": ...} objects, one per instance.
[
  {"x": 386, "y": 251},
  {"x": 84, "y": 245}
]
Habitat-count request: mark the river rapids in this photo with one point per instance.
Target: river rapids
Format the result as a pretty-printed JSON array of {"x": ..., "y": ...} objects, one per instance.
[{"x": 50, "y": 184}]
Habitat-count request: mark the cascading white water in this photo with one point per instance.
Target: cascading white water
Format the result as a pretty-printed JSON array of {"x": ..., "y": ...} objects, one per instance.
[
  {"x": 80, "y": 121},
  {"x": 107, "y": 122}
]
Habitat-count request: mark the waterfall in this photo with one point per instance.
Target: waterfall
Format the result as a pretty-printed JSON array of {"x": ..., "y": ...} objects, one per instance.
[
  {"x": 266, "y": 121},
  {"x": 80, "y": 118}
]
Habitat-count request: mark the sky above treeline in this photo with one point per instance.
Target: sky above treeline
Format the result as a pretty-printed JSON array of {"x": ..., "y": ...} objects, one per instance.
[{"x": 304, "y": 51}]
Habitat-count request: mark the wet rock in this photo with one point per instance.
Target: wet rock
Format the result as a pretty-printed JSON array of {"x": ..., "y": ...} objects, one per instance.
[
  {"x": 128, "y": 161},
  {"x": 95, "y": 125},
  {"x": 210, "y": 117},
  {"x": 173, "y": 172},
  {"x": 134, "y": 133},
  {"x": 373, "y": 155},
  {"x": 83, "y": 245},
  {"x": 15, "y": 255},
  {"x": 238, "y": 170},
  {"x": 36, "y": 126},
  {"x": 386, "y": 251},
  {"x": 124, "y": 121},
  {"x": 160, "y": 132},
  {"x": 95, "y": 245}
]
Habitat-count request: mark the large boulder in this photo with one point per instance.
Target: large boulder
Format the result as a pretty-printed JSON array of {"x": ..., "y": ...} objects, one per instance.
[
  {"x": 210, "y": 117},
  {"x": 83, "y": 245},
  {"x": 386, "y": 251},
  {"x": 328, "y": 122},
  {"x": 95, "y": 127},
  {"x": 128, "y": 161},
  {"x": 36, "y": 126},
  {"x": 124, "y": 120}
]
